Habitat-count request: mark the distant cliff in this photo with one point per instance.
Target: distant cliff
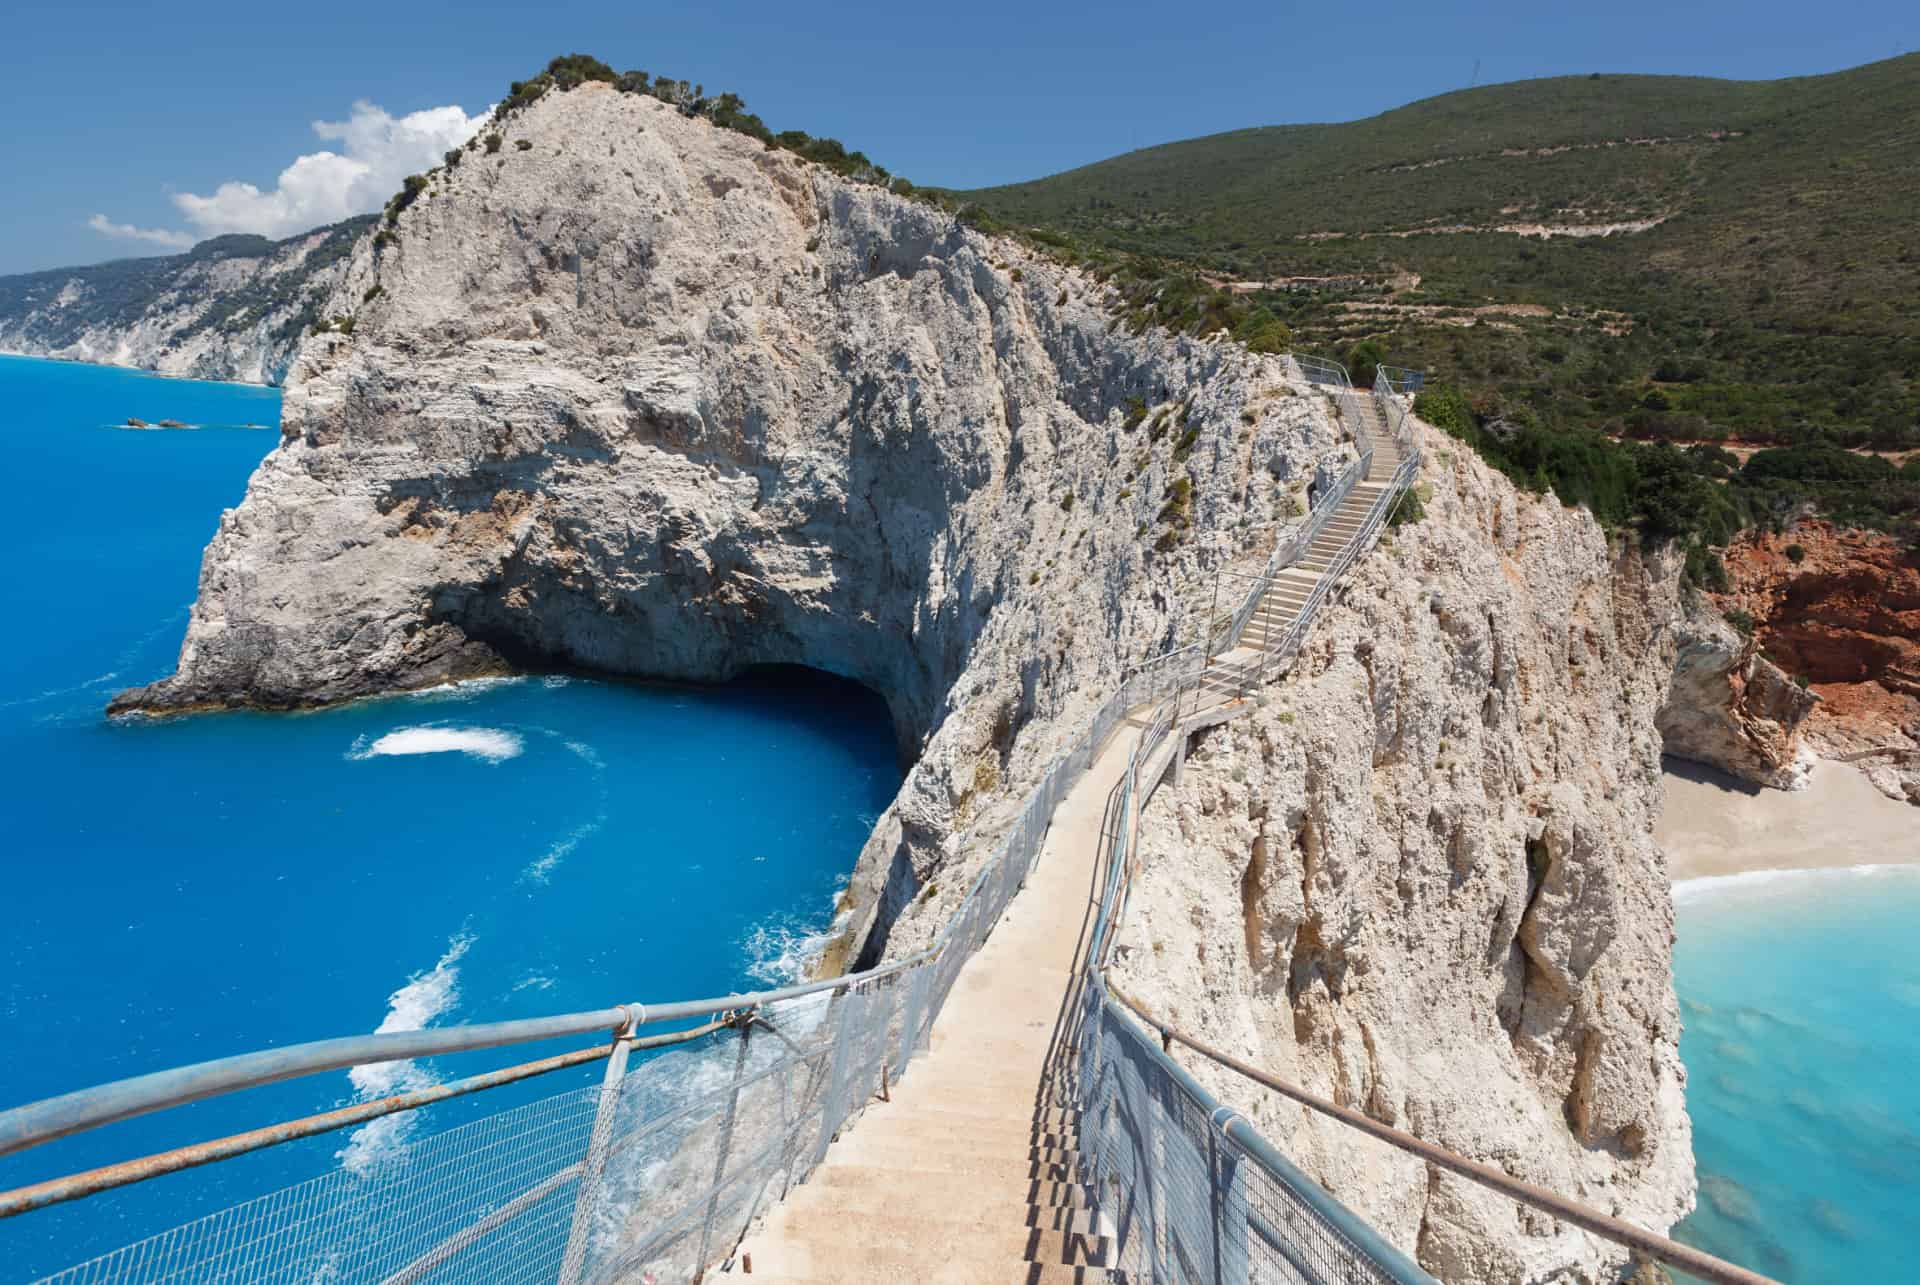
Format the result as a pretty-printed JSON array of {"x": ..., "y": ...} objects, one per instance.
[{"x": 234, "y": 307}]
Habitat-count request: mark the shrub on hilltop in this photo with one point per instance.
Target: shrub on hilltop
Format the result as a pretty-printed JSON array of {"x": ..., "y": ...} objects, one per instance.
[{"x": 726, "y": 110}]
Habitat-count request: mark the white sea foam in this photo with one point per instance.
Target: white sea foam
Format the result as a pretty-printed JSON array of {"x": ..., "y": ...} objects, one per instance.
[
  {"x": 489, "y": 743},
  {"x": 781, "y": 952},
  {"x": 426, "y": 996},
  {"x": 460, "y": 689},
  {"x": 1758, "y": 883},
  {"x": 540, "y": 870},
  {"x": 533, "y": 982},
  {"x": 586, "y": 754}
]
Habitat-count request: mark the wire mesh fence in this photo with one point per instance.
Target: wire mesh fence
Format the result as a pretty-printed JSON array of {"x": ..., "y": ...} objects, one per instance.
[
  {"x": 1184, "y": 1197},
  {"x": 383, "y": 1223}
]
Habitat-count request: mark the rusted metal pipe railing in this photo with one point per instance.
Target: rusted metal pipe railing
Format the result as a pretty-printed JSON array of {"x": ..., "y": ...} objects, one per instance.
[{"x": 56, "y": 1191}]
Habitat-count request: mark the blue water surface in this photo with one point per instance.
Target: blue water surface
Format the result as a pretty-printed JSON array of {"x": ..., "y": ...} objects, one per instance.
[
  {"x": 189, "y": 888},
  {"x": 1801, "y": 998}
]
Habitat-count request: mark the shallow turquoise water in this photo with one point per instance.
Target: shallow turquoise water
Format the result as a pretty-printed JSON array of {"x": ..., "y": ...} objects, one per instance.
[
  {"x": 190, "y": 888},
  {"x": 1801, "y": 997}
]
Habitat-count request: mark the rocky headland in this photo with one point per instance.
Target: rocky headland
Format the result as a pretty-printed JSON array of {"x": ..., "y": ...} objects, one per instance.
[
  {"x": 633, "y": 394},
  {"x": 232, "y": 308}
]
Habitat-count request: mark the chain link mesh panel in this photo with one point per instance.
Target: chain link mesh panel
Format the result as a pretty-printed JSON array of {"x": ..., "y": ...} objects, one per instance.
[
  {"x": 507, "y": 1182},
  {"x": 1185, "y": 1200}
]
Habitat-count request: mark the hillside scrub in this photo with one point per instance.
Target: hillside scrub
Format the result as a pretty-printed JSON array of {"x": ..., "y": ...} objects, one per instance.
[
  {"x": 1769, "y": 299},
  {"x": 1701, "y": 494}
]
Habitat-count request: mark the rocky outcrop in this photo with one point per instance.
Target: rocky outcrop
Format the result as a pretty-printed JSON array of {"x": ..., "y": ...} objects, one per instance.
[
  {"x": 640, "y": 396},
  {"x": 1840, "y": 611},
  {"x": 646, "y": 397},
  {"x": 1730, "y": 707},
  {"x": 232, "y": 308},
  {"x": 1420, "y": 880}
]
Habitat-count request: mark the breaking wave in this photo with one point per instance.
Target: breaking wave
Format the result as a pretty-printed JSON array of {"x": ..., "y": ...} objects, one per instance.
[
  {"x": 1752, "y": 884},
  {"x": 488, "y": 743},
  {"x": 426, "y": 996},
  {"x": 782, "y": 951}
]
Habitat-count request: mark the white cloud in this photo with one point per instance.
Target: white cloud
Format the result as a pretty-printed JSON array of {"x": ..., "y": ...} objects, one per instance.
[
  {"x": 127, "y": 232},
  {"x": 376, "y": 151}
]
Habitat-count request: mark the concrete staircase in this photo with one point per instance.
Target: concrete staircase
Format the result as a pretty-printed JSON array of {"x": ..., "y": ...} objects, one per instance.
[{"x": 1230, "y": 673}]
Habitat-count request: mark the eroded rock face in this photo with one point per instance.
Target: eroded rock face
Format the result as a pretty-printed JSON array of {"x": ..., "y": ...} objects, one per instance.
[
  {"x": 1840, "y": 609},
  {"x": 1420, "y": 881},
  {"x": 1732, "y": 708},
  {"x": 645, "y": 397}
]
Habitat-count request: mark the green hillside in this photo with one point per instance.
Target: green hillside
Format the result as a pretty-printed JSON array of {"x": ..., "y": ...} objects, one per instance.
[{"x": 1777, "y": 295}]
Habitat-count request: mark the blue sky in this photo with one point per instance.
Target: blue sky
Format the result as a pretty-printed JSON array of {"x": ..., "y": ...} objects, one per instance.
[{"x": 114, "y": 110}]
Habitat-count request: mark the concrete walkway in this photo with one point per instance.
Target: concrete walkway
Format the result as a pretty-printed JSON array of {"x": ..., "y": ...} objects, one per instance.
[{"x": 967, "y": 1174}]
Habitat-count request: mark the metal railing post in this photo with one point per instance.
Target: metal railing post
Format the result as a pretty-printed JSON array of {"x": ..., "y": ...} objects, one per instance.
[
  {"x": 720, "y": 1160},
  {"x": 830, "y": 1107},
  {"x": 599, "y": 1142}
]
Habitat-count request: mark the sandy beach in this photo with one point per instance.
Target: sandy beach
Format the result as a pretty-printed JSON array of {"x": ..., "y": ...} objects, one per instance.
[{"x": 1713, "y": 825}]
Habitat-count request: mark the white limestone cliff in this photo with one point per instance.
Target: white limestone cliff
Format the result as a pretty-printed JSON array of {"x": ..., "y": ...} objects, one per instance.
[{"x": 644, "y": 397}]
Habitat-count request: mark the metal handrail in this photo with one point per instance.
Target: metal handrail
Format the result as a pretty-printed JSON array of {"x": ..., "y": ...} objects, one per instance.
[
  {"x": 1657, "y": 1247},
  {"x": 1400, "y": 379},
  {"x": 1116, "y": 891},
  {"x": 1362, "y": 1237},
  {"x": 1386, "y": 396},
  {"x": 1320, "y": 370}
]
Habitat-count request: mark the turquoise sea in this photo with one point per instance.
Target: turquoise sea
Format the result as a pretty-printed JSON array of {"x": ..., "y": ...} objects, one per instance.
[
  {"x": 188, "y": 888},
  {"x": 1801, "y": 997}
]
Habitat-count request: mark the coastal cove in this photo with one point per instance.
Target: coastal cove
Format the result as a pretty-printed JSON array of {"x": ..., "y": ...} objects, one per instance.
[
  {"x": 192, "y": 887},
  {"x": 1800, "y": 996}
]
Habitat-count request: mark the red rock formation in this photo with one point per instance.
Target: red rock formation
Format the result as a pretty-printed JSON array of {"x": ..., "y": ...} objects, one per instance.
[{"x": 1844, "y": 616}]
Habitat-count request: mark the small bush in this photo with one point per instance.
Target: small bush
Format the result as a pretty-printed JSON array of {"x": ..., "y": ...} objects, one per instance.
[
  {"x": 1741, "y": 620},
  {"x": 1066, "y": 502},
  {"x": 571, "y": 70},
  {"x": 494, "y": 142},
  {"x": 374, "y": 293},
  {"x": 1796, "y": 554},
  {"x": 410, "y": 190},
  {"x": 524, "y": 144},
  {"x": 1409, "y": 508}
]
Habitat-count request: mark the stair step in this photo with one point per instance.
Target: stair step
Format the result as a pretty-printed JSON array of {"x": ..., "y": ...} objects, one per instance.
[
  {"x": 913, "y": 1202},
  {"x": 922, "y": 1161},
  {"x": 1045, "y": 1191},
  {"x": 825, "y": 1234},
  {"x": 910, "y": 1153}
]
